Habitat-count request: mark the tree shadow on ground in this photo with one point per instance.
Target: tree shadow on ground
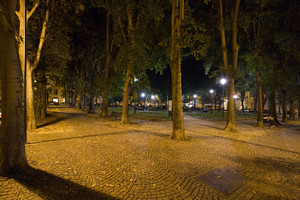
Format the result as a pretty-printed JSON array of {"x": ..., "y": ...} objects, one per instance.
[
  {"x": 57, "y": 120},
  {"x": 49, "y": 186}
]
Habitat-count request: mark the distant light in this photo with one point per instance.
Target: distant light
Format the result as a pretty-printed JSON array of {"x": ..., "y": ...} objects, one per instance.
[
  {"x": 135, "y": 79},
  {"x": 223, "y": 81},
  {"x": 211, "y": 91},
  {"x": 143, "y": 95},
  {"x": 152, "y": 97},
  {"x": 235, "y": 96},
  {"x": 195, "y": 96}
]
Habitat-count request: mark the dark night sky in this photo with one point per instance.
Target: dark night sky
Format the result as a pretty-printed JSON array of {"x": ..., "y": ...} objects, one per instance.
[{"x": 193, "y": 78}]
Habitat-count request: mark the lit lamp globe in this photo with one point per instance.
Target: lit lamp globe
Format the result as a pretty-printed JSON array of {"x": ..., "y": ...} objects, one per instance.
[
  {"x": 143, "y": 95},
  {"x": 223, "y": 81}
]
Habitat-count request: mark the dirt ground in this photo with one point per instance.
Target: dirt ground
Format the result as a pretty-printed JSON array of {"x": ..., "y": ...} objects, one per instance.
[{"x": 75, "y": 155}]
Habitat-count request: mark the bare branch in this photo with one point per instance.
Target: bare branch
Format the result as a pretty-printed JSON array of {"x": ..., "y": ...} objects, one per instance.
[
  {"x": 29, "y": 14},
  {"x": 42, "y": 40}
]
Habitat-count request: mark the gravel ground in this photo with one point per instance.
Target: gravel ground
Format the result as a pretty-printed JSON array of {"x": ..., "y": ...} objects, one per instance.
[{"x": 75, "y": 155}]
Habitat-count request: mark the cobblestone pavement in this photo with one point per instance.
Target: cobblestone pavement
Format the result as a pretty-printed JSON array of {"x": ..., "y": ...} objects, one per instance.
[{"x": 80, "y": 156}]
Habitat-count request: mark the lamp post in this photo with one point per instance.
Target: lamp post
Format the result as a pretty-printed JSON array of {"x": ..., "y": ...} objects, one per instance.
[
  {"x": 143, "y": 95},
  {"x": 195, "y": 97},
  {"x": 223, "y": 81},
  {"x": 153, "y": 99},
  {"x": 211, "y": 91}
]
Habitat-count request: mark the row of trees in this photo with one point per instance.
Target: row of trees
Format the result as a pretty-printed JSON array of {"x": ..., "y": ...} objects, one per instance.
[{"x": 99, "y": 48}]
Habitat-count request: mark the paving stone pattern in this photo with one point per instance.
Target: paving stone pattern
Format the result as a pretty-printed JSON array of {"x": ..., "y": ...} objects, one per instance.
[{"x": 80, "y": 156}]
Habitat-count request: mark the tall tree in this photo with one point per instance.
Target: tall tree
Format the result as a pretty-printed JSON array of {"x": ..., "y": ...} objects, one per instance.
[
  {"x": 31, "y": 65},
  {"x": 110, "y": 37},
  {"x": 175, "y": 65},
  {"x": 12, "y": 134},
  {"x": 230, "y": 70}
]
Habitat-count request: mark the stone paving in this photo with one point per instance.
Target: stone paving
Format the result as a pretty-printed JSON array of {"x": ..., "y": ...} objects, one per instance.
[{"x": 81, "y": 156}]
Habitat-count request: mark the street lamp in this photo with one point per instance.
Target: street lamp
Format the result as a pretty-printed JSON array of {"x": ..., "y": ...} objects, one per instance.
[
  {"x": 143, "y": 95},
  {"x": 223, "y": 81},
  {"x": 195, "y": 97},
  {"x": 153, "y": 98},
  {"x": 211, "y": 91}
]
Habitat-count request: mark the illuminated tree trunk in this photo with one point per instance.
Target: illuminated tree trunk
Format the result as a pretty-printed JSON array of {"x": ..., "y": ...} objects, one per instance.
[
  {"x": 230, "y": 71},
  {"x": 178, "y": 132},
  {"x": 109, "y": 47},
  {"x": 125, "y": 115},
  {"x": 41, "y": 97},
  {"x": 12, "y": 135},
  {"x": 31, "y": 66}
]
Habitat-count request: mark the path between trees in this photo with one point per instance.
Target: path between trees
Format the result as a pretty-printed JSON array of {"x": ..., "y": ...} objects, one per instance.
[{"x": 75, "y": 155}]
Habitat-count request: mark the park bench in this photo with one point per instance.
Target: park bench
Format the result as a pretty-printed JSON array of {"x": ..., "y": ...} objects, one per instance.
[
  {"x": 269, "y": 119},
  {"x": 115, "y": 114}
]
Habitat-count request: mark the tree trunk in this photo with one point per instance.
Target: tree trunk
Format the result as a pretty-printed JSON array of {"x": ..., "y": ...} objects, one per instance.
[
  {"x": 78, "y": 106},
  {"x": 104, "y": 108},
  {"x": 92, "y": 104},
  {"x": 41, "y": 108},
  {"x": 178, "y": 132},
  {"x": 243, "y": 100},
  {"x": 83, "y": 102},
  {"x": 31, "y": 118},
  {"x": 260, "y": 109},
  {"x": 292, "y": 110},
  {"x": 284, "y": 107},
  {"x": 230, "y": 126},
  {"x": 12, "y": 135},
  {"x": 230, "y": 72},
  {"x": 272, "y": 105},
  {"x": 255, "y": 99},
  {"x": 125, "y": 115},
  {"x": 30, "y": 107}
]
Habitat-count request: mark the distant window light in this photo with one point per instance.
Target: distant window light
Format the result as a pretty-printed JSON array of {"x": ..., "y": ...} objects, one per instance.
[
  {"x": 55, "y": 100},
  {"x": 64, "y": 100}
]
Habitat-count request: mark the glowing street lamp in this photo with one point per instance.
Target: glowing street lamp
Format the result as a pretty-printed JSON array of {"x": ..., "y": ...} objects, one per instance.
[
  {"x": 211, "y": 91},
  {"x": 143, "y": 95},
  {"x": 223, "y": 81},
  {"x": 153, "y": 97},
  {"x": 195, "y": 99}
]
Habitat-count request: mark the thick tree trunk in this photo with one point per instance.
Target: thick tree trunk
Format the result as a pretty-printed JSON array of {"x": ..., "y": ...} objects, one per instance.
[
  {"x": 92, "y": 104},
  {"x": 12, "y": 134},
  {"x": 178, "y": 132},
  {"x": 30, "y": 107},
  {"x": 292, "y": 110},
  {"x": 41, "y": 107},
  {"x": 260, "y": 109},
  {"x": 230, "y": 126},
  {"x": 125, "y": 115}
]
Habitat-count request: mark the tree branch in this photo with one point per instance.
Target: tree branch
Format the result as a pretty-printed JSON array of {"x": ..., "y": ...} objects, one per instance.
[
  {"x": 29, "y": 14},
  {"x": 42, "y": 40},
  {"x": 122, "y": 31}
]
